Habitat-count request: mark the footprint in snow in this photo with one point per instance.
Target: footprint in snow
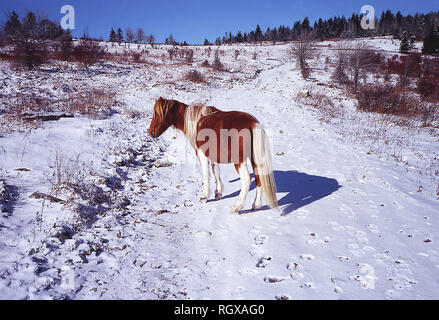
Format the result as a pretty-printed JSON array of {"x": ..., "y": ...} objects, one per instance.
[
  {"x": 335, "y": 226},
  {"x": 260, "y": 239},
  {"x": 310, "y": 285},
  {"x": 348, "y": 211},
  {"x": 343, "y": 258},
  {"x": 274, "y": 279},
  {"x": 308, "y": 257},
  {"x": 296, "y": 271},
  {"x": 254, "y": 231},
  {"x": 338, "y": 289},
  {"x": 263, "y": 262},
  {"x": 366, "y": 278},
  {"x": 372, "y": 228}
]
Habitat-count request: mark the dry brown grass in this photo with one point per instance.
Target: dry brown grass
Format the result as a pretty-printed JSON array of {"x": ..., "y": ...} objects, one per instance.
[
  {"x": 26, "y": 110},
  {"x": 195, "y": 76},
  {"x": 94, "y": 103},
  {"x": 392, "y": 100},
  {"x": 316, "y": 98}
]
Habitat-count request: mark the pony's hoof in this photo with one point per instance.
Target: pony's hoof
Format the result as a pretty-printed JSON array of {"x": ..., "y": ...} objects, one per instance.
[
  {"x": 218, "y": 196},
  {"x": 203, "y": 199},
  {"x": 256, "y": 207},
  {"x": 236, "y": 209}
]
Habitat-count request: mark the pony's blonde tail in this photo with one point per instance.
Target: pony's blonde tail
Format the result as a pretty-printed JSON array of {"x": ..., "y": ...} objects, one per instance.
[{"x": 262, "y": 164}]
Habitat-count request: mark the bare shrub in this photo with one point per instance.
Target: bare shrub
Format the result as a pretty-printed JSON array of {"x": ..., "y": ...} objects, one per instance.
[
  {"x": 339, "y": 74},
  {"x": 94, "y": 103},
  {"x": 172, "y": 52},
  {"x": 321, "y": 102},
  {"x": 66, "y": 172},
  {"x": 29, "y": 110},
  {"x": 31, "y": 53},
  {"x": 387, "y": 99},
  {"x": 63, "y": 47},
  {"x": 7, "y": 57},
  {"x": 189, "y": 55},
  {"x": 180, "y": 53},
  {"x": 302, "y": 50},
  {"x": 25, "y": 105},
  {"x": 407, "y": 65},
  {"x": 428, "y": 88},
  {"x": 362, "y": 60},
  {"x": 195, "y": 76},
  {"x": 77, "y": 181},
  {"x": 205, "y": 64},
  {"x": 136, "y": 57},
  {"x": 237, "y": 53},
  {"x": 134, "y": 114},
  {"x": 217, "y": 64},
  {"x": 88, "y": 52}
]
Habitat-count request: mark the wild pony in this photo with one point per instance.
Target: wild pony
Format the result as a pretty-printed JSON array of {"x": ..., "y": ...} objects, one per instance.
[{"x": 220, "y": 137}]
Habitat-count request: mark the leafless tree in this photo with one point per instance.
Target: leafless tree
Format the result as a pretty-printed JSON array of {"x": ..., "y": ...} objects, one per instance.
[
  {"x": 140, "y": 35},
  {"x": 304, "y": 49},
  {"x": 170, "y": 40},
  {"x": 151, "y": 39},
  {"x": 129, "y": 34},
  {"x": 362, "y": 60},
  {"x": 342, "y": 59}
]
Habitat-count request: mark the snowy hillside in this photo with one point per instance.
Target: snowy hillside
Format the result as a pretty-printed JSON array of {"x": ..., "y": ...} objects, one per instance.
[{"x": 118, "y": 215}]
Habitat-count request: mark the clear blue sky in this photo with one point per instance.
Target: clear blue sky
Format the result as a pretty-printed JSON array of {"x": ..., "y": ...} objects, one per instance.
[{"x": 194, "y": 20}]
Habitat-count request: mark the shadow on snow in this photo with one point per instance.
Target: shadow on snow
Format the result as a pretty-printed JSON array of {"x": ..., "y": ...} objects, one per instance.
[{"x": 301, "y": 189}]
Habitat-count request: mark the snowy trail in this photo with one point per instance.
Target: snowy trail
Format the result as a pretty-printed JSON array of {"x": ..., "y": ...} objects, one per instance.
[{"x": 351, "y": 230}]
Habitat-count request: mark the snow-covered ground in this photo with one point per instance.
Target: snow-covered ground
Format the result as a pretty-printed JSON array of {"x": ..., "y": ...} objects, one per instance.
[{"x": 360, "y": 215}]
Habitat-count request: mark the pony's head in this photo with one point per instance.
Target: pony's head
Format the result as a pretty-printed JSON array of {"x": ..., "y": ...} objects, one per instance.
[{"x": 163, "y": 117}]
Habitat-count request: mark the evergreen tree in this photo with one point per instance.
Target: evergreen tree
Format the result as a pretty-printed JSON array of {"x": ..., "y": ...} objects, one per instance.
[
  {"x": 417, "y": 25},
  {"x": 305, "y": 25},
  {"x": 431, "y": 42},
  {"x": 113, "y": 36},
  {"x": 119, "y": 35},
  {"x": 13, "y": 25},
  {"x": 405, "y": 46},
  {"x": 258, "y": 33},
  {"x": 239, "y": 37}
]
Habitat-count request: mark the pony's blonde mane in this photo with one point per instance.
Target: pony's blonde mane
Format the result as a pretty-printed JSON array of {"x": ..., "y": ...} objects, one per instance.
[
  {"x": 192, "y": 116},
  {"x": 162, "y": 107}
]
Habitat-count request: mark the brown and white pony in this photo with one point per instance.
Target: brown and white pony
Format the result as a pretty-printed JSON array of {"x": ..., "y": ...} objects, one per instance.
[{"x": 220, "y": 137}]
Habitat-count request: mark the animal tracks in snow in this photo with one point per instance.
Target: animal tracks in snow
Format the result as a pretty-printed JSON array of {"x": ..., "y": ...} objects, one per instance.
[{"x": 260, "y": 239}]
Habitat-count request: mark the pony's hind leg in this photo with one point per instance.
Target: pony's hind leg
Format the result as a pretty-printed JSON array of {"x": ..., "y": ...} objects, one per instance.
[
  {"x": 245, "y": 181},
  {"x": 204, "y": 162},
  {"x": 257, "y": 204},
  {"x": 219, "y": 185}
]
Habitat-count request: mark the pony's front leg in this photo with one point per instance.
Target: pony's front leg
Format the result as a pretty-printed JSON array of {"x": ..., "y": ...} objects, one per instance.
[
  {"x": 204, "y": 162},
  {"x": 245, "y": 181},
  {"x": 219, "y": 185}
]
